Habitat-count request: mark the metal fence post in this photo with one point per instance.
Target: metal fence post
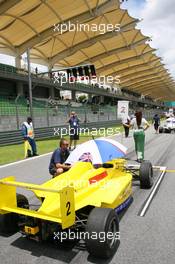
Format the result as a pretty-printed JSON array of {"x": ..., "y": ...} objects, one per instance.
[
  {"x": 85, "y": 116},
  {"x": 47, "y": 113},
  {"x": 17, "y": 114}
]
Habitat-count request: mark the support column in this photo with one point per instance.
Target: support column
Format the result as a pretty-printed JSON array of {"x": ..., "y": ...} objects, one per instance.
[
  {"x": 19, "y": 88},
  {"x": 90, "y": 98},
  {"x": 30, "y": 85},
  {"x": 101, "y": 99},
  {"x": 52, "y": 92},
  {"x": 18, "y": 61},
  {"x": 50, "y": 67},
  {"x": 73, "y": 95}
]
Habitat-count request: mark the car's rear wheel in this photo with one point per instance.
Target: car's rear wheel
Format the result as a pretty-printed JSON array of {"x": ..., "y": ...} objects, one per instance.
[
  {"x": 102, "y": 232},
  {"x": 9, "y": 221},
  {"x": 146, "y": 175}
]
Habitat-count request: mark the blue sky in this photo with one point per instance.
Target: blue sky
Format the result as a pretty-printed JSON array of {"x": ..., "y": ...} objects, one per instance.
[{"x": 134, "y": 6}]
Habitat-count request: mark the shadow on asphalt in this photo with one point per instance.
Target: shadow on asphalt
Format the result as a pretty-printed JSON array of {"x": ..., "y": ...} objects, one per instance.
[
  {"x": 63, "y": 252},
  {"x": 6, "y": 235}
]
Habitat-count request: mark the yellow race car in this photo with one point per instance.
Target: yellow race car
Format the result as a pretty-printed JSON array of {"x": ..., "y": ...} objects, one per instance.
[{"x": 84, "y": 201}]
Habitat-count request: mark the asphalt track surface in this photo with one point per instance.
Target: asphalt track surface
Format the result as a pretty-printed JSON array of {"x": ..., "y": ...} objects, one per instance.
[{"x": 149, "y": 239}]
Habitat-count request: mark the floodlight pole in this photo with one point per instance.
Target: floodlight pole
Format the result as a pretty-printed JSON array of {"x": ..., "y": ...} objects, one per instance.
[{"x": 30, "y": 84}]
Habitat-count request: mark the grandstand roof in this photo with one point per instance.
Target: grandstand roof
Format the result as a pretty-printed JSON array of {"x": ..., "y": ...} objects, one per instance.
[{"x": 125, "y": 53}]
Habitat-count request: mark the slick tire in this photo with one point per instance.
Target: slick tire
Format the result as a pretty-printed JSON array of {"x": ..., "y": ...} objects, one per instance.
[
  {"x": 168, "y": 131},
  {"x": 146, "y": 175},
  {"x": 102, "y": 221},
  {"x": 9, "y": 221}
]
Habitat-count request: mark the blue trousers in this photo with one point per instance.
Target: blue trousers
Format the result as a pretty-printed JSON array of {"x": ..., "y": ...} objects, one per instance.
[{"x": 33, "y": 145}]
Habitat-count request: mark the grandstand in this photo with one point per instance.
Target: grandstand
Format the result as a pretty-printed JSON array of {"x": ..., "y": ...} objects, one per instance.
[
  {"x": 48, "y": 107},
  {"x": 51, "y": 112}
]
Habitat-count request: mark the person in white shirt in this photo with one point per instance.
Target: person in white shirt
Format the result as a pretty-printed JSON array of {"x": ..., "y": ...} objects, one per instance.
[{"x": 139, "y": 124}]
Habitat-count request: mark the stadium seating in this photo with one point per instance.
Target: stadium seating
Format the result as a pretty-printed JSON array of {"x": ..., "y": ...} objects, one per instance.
[{"x": 8, "y": 107}]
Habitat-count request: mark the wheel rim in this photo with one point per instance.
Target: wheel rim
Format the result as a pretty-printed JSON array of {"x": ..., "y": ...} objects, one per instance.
[{"x": 113, "y": 229}]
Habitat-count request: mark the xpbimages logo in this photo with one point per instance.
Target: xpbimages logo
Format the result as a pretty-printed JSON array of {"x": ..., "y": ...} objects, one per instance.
[
  {"x": 101, "y": 236},
  {"x": 86, "y": 27},
  {"x": 102, "y": 131},
  {"x": 102, "y": 80}
]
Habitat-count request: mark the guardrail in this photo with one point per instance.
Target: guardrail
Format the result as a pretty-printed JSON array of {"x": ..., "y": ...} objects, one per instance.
[{"x": 15, "y": 137}]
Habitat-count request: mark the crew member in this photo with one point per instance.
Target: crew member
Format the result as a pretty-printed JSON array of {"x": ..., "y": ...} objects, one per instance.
[
  {"x": 57, "y": 163},
  {"x": 156, "y": 122},
  {"x": 126, "y": 125},
  {"x": 139, "y": 124},
  {"x": 28, "y": 135},
  {"x": 74, "y": 129}
]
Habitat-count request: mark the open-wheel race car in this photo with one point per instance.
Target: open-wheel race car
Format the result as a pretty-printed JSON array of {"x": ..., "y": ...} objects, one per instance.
[
  {"x": 168, "y": 126},
  {"x": 83, "y": 199}
]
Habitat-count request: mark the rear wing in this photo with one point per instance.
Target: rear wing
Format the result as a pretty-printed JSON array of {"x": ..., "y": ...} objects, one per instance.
[{"x": 64, "y": 215}]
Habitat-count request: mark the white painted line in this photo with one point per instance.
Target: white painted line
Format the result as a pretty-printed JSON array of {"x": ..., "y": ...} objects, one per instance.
[
  {"x": 118, "y": 134},
  {"x": 153, "y": 192},
  {"x": 24, "y": 160}
]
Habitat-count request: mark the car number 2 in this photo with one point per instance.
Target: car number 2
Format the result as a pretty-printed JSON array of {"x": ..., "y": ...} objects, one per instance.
[{"x": 68, "y": 208}]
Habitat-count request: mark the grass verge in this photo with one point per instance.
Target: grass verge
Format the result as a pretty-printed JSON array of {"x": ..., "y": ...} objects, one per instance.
[{"x": 14, "y": 153}]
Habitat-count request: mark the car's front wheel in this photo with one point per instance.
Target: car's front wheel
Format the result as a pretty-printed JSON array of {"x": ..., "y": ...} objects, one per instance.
[{"x": 102, "y": 232}]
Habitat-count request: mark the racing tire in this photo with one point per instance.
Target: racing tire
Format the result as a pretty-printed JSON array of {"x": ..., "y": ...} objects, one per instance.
[
  {"x": 168, "y": 131},
  {"x": 102, "y": 221},
  {"x": 160, "y": 130},
  {"x": 146, "y": 175},
  {"x": 9, "y": 221}
]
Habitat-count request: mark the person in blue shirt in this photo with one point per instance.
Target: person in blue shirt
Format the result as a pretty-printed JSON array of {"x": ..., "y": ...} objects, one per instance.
[
  {"x": 57, "y": 162},
  {"x": 74, "y": 129}
]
